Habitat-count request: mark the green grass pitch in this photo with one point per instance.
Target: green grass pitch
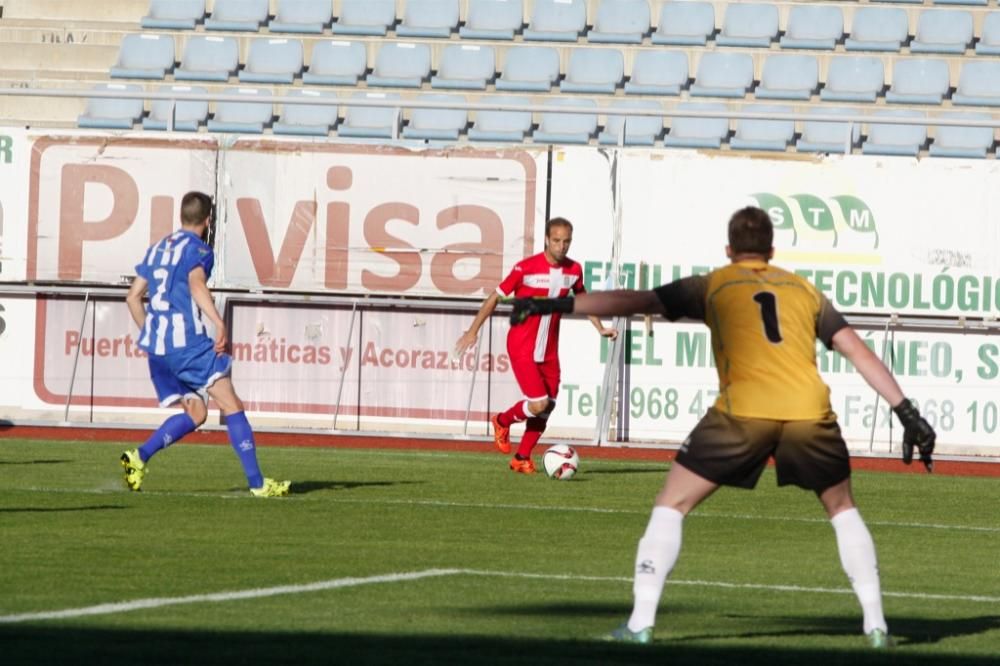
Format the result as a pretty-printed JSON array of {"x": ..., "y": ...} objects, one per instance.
[{"x": 422, "y": 557}]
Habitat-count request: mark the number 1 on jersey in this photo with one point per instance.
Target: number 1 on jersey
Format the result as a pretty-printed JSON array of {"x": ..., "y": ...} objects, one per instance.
[{"x": 768, "y": 303}]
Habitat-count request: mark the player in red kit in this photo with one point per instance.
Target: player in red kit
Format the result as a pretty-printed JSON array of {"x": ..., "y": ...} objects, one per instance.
[{"x": 534, "y": 346}]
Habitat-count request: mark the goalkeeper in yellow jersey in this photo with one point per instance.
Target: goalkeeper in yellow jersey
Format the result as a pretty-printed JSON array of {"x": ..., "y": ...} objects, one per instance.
[{"x": 772, "y": 402}]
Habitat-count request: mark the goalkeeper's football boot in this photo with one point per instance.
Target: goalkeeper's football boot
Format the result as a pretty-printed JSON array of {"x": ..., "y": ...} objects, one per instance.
[
  {"x": 271, "y": 488},
  {"x": 880, "y": 640},
  {"x": 135, "y": 469},
  {"x": 501, "y": 435},
  {"x": 522, "y": 466},
  {"x": 625, "y": 635}
]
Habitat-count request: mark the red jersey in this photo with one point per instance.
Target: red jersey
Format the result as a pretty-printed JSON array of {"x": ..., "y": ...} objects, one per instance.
[{"x": 534, "y": 277}]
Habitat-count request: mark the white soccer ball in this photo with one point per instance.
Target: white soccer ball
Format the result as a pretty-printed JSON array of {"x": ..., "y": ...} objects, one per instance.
[{"x": 561, "y": 462}]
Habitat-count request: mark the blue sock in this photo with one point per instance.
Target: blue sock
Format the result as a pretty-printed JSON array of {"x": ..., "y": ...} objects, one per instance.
[
  {"x": 241, "y": 437},
  {"x": 171, "y": 431}
]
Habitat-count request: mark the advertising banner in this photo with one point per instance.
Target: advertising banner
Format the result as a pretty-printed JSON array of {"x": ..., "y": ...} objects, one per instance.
[{"x": 14, "y": 149}]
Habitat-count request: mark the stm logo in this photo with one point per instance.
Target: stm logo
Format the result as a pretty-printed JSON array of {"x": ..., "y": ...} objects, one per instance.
[
  {"x": 646, "y": 567},
  {"x": 830, "y": 217}
]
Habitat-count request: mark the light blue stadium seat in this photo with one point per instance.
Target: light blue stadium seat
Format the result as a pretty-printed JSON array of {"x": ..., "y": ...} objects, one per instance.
[
  {"x": 853, "y": 79},
  {"x": 465, "y": 67},
  {"x": 978, "y": 84},
  {"x": 979, "y": 3},
  {"x": 989, "y": 35},
  {"x": 685, "y": 23},
  {"x": 594, "y": 71},
  {"x": 501, "y": 125},
  {"x": 437, "y": 124},
  {"x": 243, "y": 117},
  {"x": 188, "y": 116},
  {"x": 633, "y": 130},
  {"x": 429, "y": 18},
  {"x": 557, "y": 127},
  {"x": 823, "y": 136},
  {"x": 493, "y": 19},
  {"x": 723, "y": 75},
  {"x": 302, "y": 16},
  {"x": 813, "y": 27},
  {"x": 960, "y": 141},
  {"x": 658, "y": 72},
  {"x": 788, "y": 77},
  {"x": 943, "y": 31},
  {"x": 370, "y": 122},
  {"x": 110, "y": 112},
  {"x": 529, "y": 68},
  {"x": 697, "y": 131},
  {"x": 307, "y": 119},
  {"x": 208, "y": 58},
  {"x": 749, "y": 25},
  {"x": 772, "y": 135},
  {"x": 336, "y": 63},
  {"x": 365, "y": 17},
  {"x": 887, "y": 139},
  {"x": 401, "y": 65},
  {"x": 877, "y": 29},
  {"x": 557, "y": 21},
  {"x": 237, "y": 15},
  {"x": 620, "y": 22},
  {"x": 918, "y": 81},
  {"x": 143, "y": 56},
  {"x": 174, "y": 14},
  {"x": 272, "y": 61}
]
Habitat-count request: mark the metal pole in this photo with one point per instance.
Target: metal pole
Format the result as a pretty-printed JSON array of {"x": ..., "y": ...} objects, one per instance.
[
  {"x": 343, "y": 370},
  {"x": 608, "y": 385},
  {"x": 76, "y": 358},
  {"x": 472, "y": 386}
]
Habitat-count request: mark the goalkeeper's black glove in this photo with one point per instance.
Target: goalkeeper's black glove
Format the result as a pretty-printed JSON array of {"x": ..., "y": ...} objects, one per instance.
[
  {"x": 522, "y": 308},
  {"x": 917, "y": 432}
]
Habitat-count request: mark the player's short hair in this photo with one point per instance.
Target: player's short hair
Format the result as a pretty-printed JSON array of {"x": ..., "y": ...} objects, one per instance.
[
  {"x": 196, "y": 207},
  {"x": 557, "y": 222},
  {"x": 751, "y": 231}
]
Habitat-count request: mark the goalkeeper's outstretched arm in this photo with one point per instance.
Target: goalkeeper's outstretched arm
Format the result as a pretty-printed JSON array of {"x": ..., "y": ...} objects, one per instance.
[{"x": 618, "y": 302}]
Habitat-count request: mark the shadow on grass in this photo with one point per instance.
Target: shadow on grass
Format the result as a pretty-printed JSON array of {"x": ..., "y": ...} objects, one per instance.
[
  {"x": 303, "y": 487},
  {"x": 59, "y": 509},
  {"x": 628, "y": 470},
  {"x": 34, "y": 462},
  {"x": 37, "y": 645}
]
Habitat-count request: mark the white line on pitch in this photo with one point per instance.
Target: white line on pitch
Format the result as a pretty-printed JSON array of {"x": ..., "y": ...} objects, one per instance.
[{"x": 139, "y": 604}]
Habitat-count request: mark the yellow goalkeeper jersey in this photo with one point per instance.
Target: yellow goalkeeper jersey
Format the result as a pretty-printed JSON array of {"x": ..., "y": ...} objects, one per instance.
[{"x": 764, "y": 322}]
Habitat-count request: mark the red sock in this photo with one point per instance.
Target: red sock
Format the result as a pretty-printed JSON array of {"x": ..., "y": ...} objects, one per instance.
[
  {"x": 532, "y": 433},
  {"x": 514, "y": 415}
]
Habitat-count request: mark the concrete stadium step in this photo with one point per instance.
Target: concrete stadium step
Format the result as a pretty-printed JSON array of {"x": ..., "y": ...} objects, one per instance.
[
  {"x": 119, "y": 11},
  {"x": 47, "y": 57}
]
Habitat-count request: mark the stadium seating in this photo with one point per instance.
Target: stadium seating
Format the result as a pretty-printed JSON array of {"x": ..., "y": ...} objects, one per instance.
[
  {"x": 567, "y": 127},
  {"x": 272, "y": 61},
  {"x": 697, "y": 131},
  {"x": 429, "y": 18},
  {"x": 943, "y": 31},
  {"x": 307, "y": 119},
  {"x": 893, "y": 139},
  {"x": 749, "y": 25},
  {"x": 620, "y": 22},
  {"x": 877, "y": 29},
  {"x": 174, "y": 14},
  {"x": 336, "y": 63},
  {"x": 365, "y": 17},
  {"x": 143, "y": 56},
  {"x": 437, "y": 124},
  {"x": 685, "y": 24},
  {"x": 466, "y": 67},
  {"x": 493, "y": 19},
  {"x": 188, "y": 116},
  {"x": 109, "y": 112},
  {"x": 658, "y": 73},
  {"x": 918, "y": 81},
  {"x": 823, "y": 136},
  {"x": 788, "y": 77},
  {"x": 854, "y": 79},
  {"x": 237, "y": 15},
  {"x": 243, "y": 117},
  {"x": 302, "y": 16},
  {"x": 755, "y": 134},
  {"x": 723, "y": 75},
  {"x": 594, "y": 71},
  {"x": 368, "y": 122},
  {"x": 401, "y": 65},
  {"x": 208, "y": 58},
  {"x": 813, "y": 27},
  {"x": 978, "y": 84},
  {"x": 958, "y": 141},
  {"x": 529, "y": 69},
  {"x": 989, "y": 35},
  {"x": 557, "y": 21},
  {"x": 501, "y": 125},
  {"x": 632, "y": 130}
]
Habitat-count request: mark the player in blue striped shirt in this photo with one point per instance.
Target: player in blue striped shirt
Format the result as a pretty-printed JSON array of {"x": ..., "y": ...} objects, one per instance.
[{"x": 185, "y": 363}]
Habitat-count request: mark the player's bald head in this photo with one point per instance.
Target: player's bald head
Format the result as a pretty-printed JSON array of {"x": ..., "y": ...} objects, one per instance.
[
  {"x": 196, "y": 208},
  {"x": 751, "y": 231}
]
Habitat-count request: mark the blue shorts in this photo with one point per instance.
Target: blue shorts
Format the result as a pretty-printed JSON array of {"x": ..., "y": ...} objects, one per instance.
[{"x": 187, "y": 374}]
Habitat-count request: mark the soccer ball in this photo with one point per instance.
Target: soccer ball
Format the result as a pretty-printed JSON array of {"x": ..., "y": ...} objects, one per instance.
[{"x": 561, "y": 462}]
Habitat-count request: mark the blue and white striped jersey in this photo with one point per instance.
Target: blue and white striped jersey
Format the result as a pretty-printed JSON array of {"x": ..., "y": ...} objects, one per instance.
[{"x": 173, "y": 319}]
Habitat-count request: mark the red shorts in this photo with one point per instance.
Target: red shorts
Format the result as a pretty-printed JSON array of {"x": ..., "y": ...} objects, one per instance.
[{"x": 537, "y": 380}]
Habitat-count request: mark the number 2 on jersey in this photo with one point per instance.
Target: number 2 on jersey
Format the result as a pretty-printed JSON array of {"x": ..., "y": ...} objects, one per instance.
[
  {"x": 768, "y": 303},
  {"x": 156, "y": 300}
]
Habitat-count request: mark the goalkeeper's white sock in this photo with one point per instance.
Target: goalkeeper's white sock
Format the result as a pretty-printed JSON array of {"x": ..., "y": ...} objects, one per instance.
[
  {"x": 857, "y": 556},
  {"x": 656, "y": 556}
]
